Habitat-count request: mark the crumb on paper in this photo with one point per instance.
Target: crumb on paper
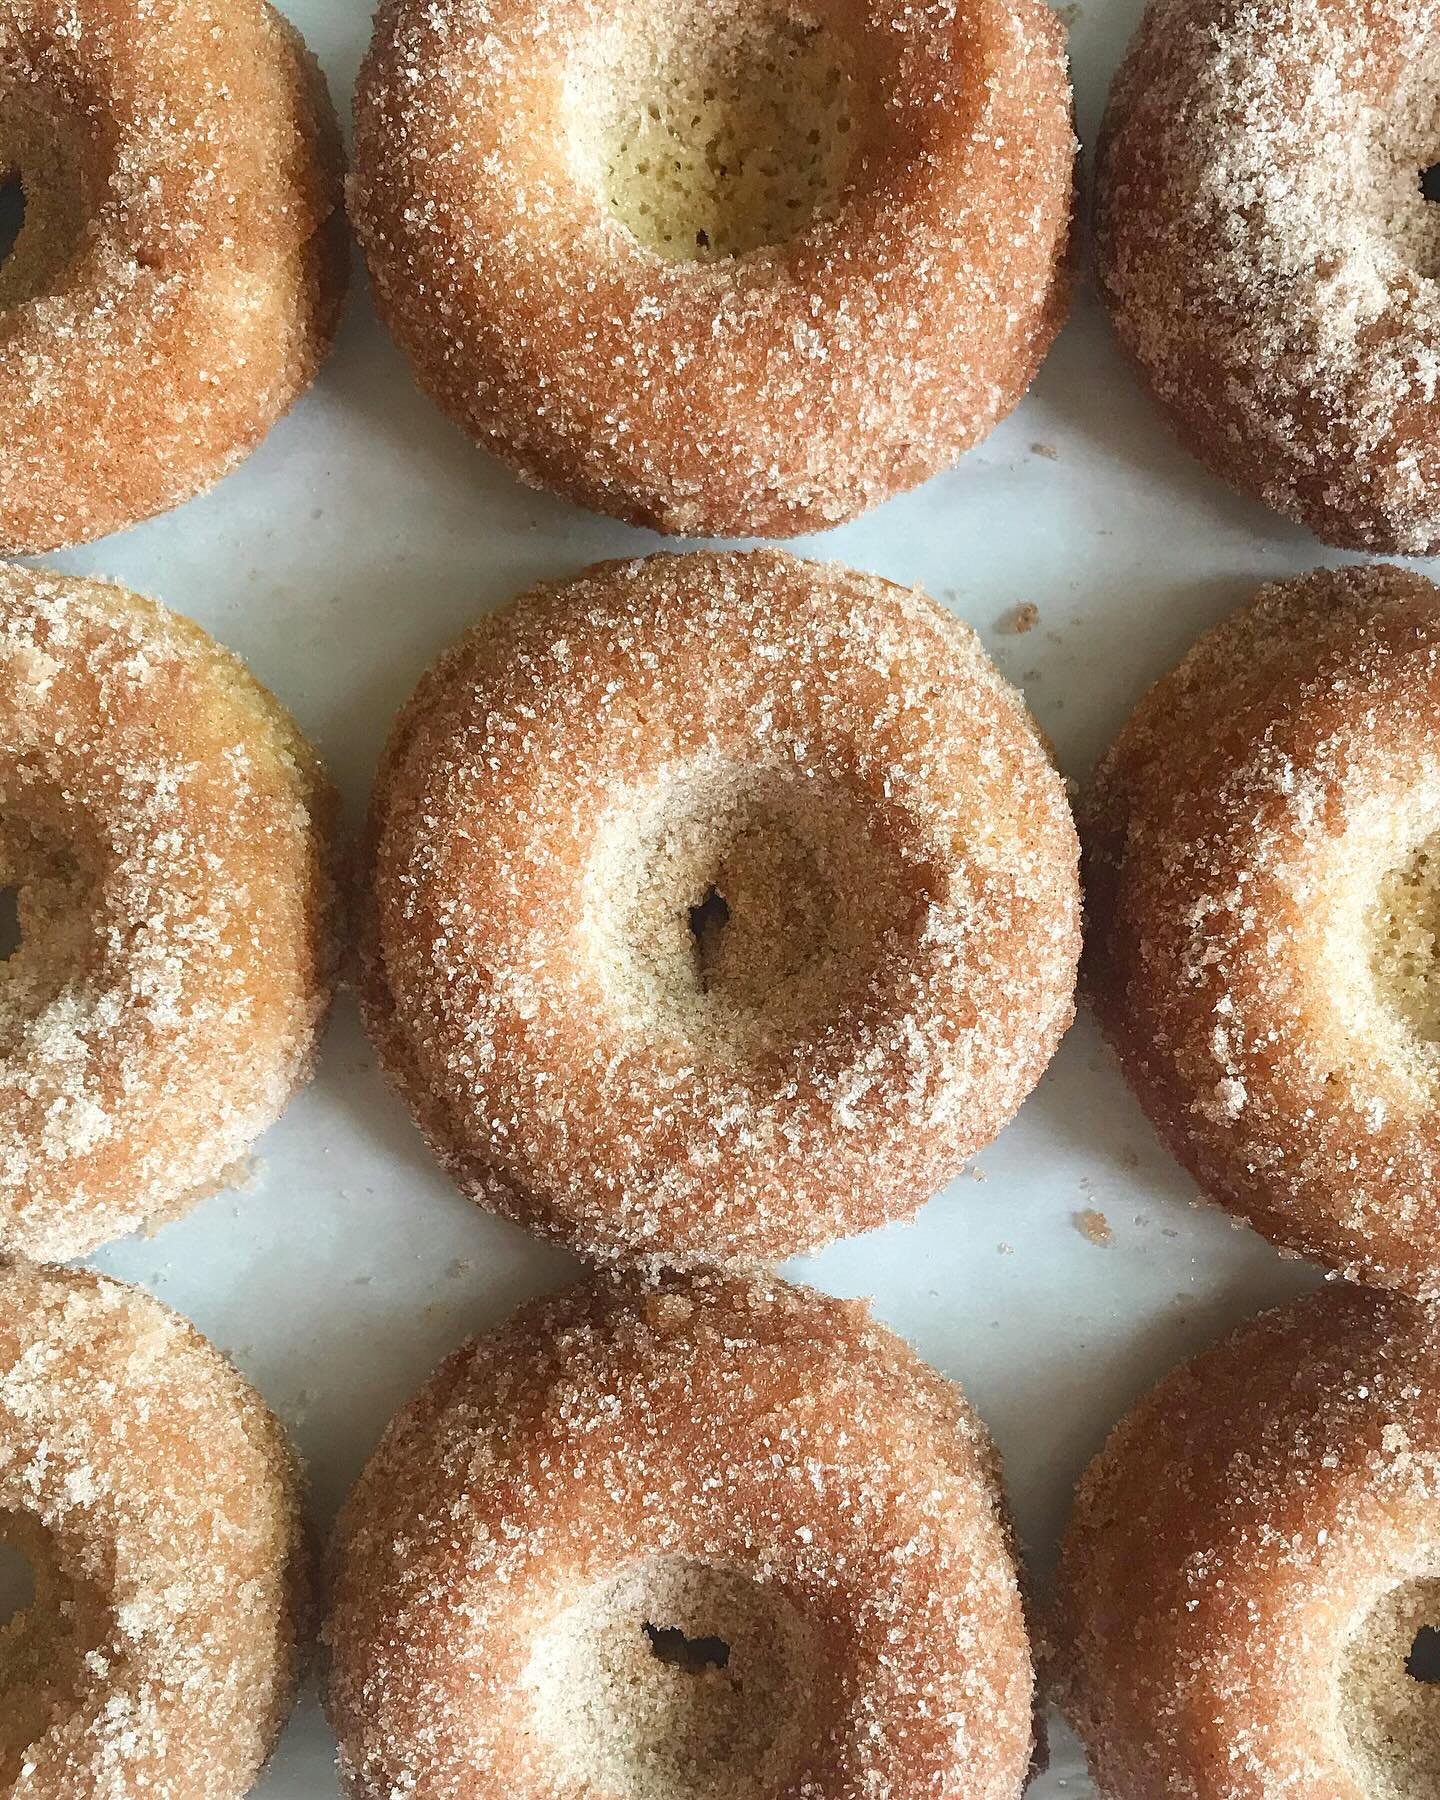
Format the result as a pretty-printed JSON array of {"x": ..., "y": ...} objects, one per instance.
[
  {"x": 1048, "y": 451},
  {"x": 1021, "y": 619},
  {"x": 1005, "y": 1249},
  {"x": 1093, "y": 1226},
  {"x": 460, "y": 1268}
]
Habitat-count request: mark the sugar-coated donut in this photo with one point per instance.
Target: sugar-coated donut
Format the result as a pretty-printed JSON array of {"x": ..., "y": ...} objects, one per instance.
[
  {"x": 716, "y": 1540},
  {"x": 1263, "y": 880},
  {"x": 1269, "y": 250},
  {"x": 1250, "y": 1585},
  {"x": 723, "y": 267},
  {"x": 158, "y": 1505},
  {"x": 179, "y": 271},
  {"x": 164, "y": 850},
  {"x": 720, "y": 905}
]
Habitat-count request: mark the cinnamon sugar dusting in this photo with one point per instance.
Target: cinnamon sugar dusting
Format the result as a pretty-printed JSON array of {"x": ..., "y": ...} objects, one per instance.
[
  {"x": 717, "y": 1538},
  {"x": 157, "y": 1504},
  {"x": 721, "y": 904},
  {"x": 163, "y": 833},
  {"x": 1270, "y": 256}
]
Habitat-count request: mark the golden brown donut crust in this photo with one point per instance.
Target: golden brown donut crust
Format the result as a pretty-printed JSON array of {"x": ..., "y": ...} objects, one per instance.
[
  {"x": 1249, "y": 1562},
  {"x": 712, "y": 1457},
  {"x": 180, "y": 272},
  {"x": 160, "y": 1505},
  {"x": 1260, "y": 886},
  {"x": 839, "y": 760},
  {"x": 777, "y": 392},
  {"x": 166, "y": 829},
  {"x": 1269, "y": 259}
]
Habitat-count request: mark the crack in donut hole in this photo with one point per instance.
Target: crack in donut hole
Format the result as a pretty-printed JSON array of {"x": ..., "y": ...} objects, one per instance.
[
  {"x": 707, "y": 139},
  {"x": 1389, "y": 1694},
  {"x": 1404, "y": 934},
  {"x": 675, "y": 1680},
  {"x": 738, "y": 909}
]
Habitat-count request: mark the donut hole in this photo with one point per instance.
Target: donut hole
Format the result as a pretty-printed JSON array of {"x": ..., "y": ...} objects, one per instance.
[
  {"x": 707, "y": 137},
  {"x": 738, "y": 910},
  {"x": 1404, "y": 934},
  {"x": 676, "y": 1680},
  {"x": 12, "y": 213},
  {"x": 42, "y": 212},
  {"x": 17, "y": 1583},
  {"x": 1430, "y": 182},
  {"x": 1390, "y": 1694},
  {"x": 9, "y": 922}
]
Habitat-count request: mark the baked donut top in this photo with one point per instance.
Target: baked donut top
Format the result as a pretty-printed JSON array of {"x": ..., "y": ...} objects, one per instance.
[
  {"x": 1270, "y": 253},
  {"x": 156, "y": 1501},
  {"x": 722, "y": 902},
  {"x": 605, "y": 229},
  {"x": 710, "y": 1540},
  {"x": 1252, "y": 1575},
  {"x": 1263, "y": 876},
  {"x": 165, "y": 866}
]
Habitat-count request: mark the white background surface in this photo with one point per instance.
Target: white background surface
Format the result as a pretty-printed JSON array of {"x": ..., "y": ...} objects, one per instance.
[{"x": 363, "y": 536}]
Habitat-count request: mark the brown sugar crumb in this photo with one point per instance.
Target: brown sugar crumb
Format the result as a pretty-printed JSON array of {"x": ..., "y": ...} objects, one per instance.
[
  {"x": 1094, "y": 1227},
  {"x": 1021, "y": 619}
]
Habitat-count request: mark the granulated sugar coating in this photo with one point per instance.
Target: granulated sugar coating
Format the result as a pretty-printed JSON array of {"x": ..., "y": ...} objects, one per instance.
[
  {"x": 180, "y": 269},
  {"x": 721, "y": 905},
  {"x": 163, "y": 831},
  {"x": 1253, "y": 1567},
  {"x": 723, "y": 267},
  {"x": 158, "y": 1504},
  {"x": 1269, "y": 257},
  {"x": 1263, "y": 880},
  {"x": 712, "y": 1540}
]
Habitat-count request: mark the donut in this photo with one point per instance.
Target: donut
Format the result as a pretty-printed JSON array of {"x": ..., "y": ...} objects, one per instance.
[
  {"x": 717, "y": 1537},
  {"x": 157, "y": 1504},
  {"x": 164, "y": 866},
  {"x": 178, "y": 273},
  {"x": 1268, "y": 248},
  {"x": 1249, "y": 1588},
  {"x": 717, "y": 905},
  {"x": 721, "y": 267},
  {"x": 1263, "y": 884}
]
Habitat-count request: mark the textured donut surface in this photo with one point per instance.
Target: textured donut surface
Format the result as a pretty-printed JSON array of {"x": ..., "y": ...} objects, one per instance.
[
  {"x": 159, "y": 1506},
  {"x": 179, "y": 271},
  {"x": 1252, "y": 1574},
  {"x": 163, "y": 834},
  {"x": 720, "y": 905},
  {"x": 1263, "y": 883},
  {"x": 1269, "y": 256},
  {"x": 723, "y": 267},
  {"x": 718, "y": 1540}
]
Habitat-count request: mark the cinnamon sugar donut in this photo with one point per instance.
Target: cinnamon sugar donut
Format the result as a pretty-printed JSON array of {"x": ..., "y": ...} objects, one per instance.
[
  {"x": 1250, "y": 1585},
  {"x": 716, "y": 1541},
  {"x": 179, "y": 271},
  {"x": 163, "y": 847},
  {"x": 157, "y": 1502},
  {"x": 1269, "y": 250},
  {"x": 724, "y": 269},
  {"x": 720, "y": 905},
  {"x": 1263, "y": 878}
]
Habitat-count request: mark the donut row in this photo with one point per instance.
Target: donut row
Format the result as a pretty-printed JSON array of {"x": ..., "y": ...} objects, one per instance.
[
  {"x": 716, "y": 906},
  {"x": 745, "y": 269},
  {"x": 716, "y": 1536}
]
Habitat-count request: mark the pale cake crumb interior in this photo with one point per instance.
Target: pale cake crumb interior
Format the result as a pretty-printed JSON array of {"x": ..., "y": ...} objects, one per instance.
[
  {"x": 1389, "y": 1694},
  {"x": 673, "y": 1680},
  {"x": 736, "y": 908},
  {"x": 1404, "y": 934},
  {"x": 710, "y": 137}
]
